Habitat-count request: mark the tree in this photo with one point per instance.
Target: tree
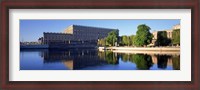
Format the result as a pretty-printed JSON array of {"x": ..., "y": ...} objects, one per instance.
[
  {"x": 112, "y": 38},
  {"x": 125, "y": 40},
  {"x": 102, "y": 42},
  {"x": 176, "y": 36},
  {"x": 143, "y": 36},
  {"x": 162, "y": 39},
  {"x": 132, "y": 38}
]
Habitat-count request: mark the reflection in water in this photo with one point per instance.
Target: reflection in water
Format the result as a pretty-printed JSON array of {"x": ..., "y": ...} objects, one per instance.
[
  {"x": 176, "y": 62},
  {"x": 111, "y": 58},
  {"x": 94, "y": 60},
  {"x": 143, "y": 62},
  {"x": 162, "y": 61},
  {"x": 74, "y": 59}
]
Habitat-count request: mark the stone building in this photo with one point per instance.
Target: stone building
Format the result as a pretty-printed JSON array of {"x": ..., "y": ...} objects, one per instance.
[
  {"x": 169, "y": 33},
  {"x": 178, "y": 26},
  {"x": 76, "y": 34}
]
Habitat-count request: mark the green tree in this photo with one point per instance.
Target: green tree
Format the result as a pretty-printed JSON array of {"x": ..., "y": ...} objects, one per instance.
[
  {"x": 102, "y": 42},
  {"x": 132, "y": 38},
  {"x": 112, "y": 38},
  {"x": 125, "y": 40},
  {"x": 162, "y": 39},
  {"x": 143, "y": 36},
  {"x": 176, "y": 36}
]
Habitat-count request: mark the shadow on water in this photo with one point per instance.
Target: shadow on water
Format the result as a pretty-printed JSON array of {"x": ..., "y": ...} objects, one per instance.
[{"x": 91, "y": 59}]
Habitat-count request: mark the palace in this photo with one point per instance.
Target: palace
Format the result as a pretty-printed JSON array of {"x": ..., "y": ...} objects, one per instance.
[
  {"x": 78, "y": 35},
  {"x": 75, "y": 34},
  {"x": 169, "y": 33}
]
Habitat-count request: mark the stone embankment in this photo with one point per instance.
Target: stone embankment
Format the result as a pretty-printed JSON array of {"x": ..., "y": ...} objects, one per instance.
[{"x": 143, "y": 50}]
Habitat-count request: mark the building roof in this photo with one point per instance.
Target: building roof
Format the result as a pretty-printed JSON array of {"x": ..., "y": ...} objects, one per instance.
[
  {"x": 177, "y": 26},
  {"x": 169, "y": 30},
  {"x": 60, "y": 33},
  {"x": 93, "y": 27}
]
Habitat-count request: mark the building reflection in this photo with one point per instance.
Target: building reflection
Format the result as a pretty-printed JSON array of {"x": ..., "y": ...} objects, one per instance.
[
  {"x": 77, "y": 59},
  {"x": 163, "y": 61},
  {"x": 69, "y": 64},
  {"x": 80, "y": 59}
]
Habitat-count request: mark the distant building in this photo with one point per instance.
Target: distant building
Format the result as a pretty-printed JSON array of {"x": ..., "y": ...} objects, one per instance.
[
  {"x": 169, "y": 33},
  {"x": 76, "y": 34},
  {"x": 178, "y": 26}
]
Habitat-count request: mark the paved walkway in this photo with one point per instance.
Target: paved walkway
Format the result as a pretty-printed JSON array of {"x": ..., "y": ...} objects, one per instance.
[{"x": 144, "y": 50}]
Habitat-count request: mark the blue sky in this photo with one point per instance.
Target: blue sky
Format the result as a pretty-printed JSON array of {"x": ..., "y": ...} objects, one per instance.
[{"x": 31, "y": 30}]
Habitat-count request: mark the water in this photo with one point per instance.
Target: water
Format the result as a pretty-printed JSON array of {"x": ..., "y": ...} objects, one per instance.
[{"x": 47, "y": 59}]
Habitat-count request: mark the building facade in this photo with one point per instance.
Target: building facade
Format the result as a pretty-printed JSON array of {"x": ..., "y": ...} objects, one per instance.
[
  {"x": 76, "y": 34},
  {"x": 169, "y": 33}
]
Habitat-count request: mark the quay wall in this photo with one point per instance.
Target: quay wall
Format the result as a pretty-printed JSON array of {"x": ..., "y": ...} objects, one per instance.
[
  {"x": 57, "y": 46},
  {"x": 34, "y": 46},
  {"x": 141, "y": 48}
]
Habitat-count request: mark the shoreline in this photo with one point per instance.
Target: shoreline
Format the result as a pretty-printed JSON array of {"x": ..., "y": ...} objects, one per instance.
[
  {"x": 148, "y": 52},
  {"x": 142, "y": 50}
]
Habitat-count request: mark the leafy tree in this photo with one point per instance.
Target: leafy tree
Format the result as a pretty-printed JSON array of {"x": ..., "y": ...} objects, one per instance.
[
  {"x": 162, "y": 39},
  {"x": 176, "y": 36},
  {"x": 132, "y": 38},
  {"x": 102, "y": 42},
  {"x": 112, "y": 38},
  {"x": 125, "y": 40},
  {"x": 143, "y": 36}
]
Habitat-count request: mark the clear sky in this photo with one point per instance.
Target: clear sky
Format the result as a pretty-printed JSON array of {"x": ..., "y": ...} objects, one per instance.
[{"x": 31, "y": 30}]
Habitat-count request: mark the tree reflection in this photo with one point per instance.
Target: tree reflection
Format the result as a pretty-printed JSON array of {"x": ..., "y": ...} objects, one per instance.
[
  {"x": 102, "y": 55},
  {"x": 162, "y": 61},
  {"x": 176, "y": 62},
  {"x": 111, "y": 58},
  {"x": 143, "y": 62},
  {"x": 132, "y": 58},
  {"x": 125, "y": 57}
]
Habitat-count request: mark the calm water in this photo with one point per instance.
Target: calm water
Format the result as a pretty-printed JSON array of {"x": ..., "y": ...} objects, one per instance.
[{"x": 45, "y": 59}]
